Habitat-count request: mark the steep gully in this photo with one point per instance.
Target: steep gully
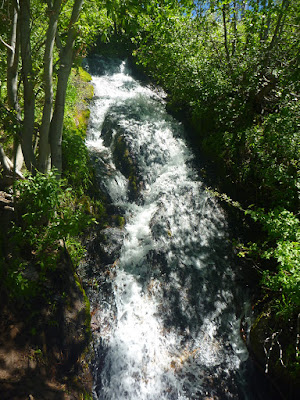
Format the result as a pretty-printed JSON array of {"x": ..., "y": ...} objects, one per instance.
[{"x": 166, "y": 304}]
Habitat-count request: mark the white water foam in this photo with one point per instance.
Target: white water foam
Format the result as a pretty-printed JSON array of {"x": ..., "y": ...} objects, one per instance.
[{"x": 175, "y": 334}]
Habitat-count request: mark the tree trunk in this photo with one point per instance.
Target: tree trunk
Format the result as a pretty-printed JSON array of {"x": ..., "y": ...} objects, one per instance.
[
  {"x": 44, "y": 145},
  {"x": 225, "y": 34},
  {"x": 234, "y": 28},
  {"x": 284, "y": 6},
  {"x": 66, "y": 59},
  {"x": 12, "y": 81},
  {"x": 27, "y": 76},
  {"x": 12, "y": 65}
]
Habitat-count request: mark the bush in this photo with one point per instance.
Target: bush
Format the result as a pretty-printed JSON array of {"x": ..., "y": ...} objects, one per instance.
[
  {"x": 47, "y": 214},
  {"x": 282, "y": 244},
  {"x": 76, "y": 161},
  {"x": 76, "y": 168}
]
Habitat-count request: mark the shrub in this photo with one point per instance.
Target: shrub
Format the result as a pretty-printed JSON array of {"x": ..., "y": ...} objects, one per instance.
[
  {"x": 282, "y": 243},
  {"x": 47, "y": 214}
]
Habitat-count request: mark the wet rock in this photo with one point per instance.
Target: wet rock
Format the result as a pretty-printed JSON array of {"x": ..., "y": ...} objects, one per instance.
[
  {"x": 108, "y": 129},
  {"x": 104, "y": 247},
  {"x": 160, "y": 225},
  {"x": 100, "y": 65},
  {"x": 118, "y": 139}
]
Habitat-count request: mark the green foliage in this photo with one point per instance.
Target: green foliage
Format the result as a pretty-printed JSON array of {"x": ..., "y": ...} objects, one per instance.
[
  {"x": 76, "y": 167},
  {"x": 282, "y": 244},
  {"x": 233, "y": 74},
  {"x": 19, "y": 284},
  {"x": 93, "y": 22},
  {"x": 51, "y": 213},
  {"x": 76, "y": 161},
  {"x": 270, "y": 152},
  {"x": 78, "y": 23},
  {"x": 39, "y": 198},
  {"x": 10, "y": 127},
  {"x": 47, "y": 215}
]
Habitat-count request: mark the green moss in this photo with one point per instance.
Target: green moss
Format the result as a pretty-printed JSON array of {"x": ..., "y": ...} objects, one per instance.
[
  {"x": 87, "y": 308},
  {"x": 87, "y": 396},
  {"x": 121, "y": 221},
  {"x": 118, "y": 220},
  {"x": 79, "y": 92},
  {"x": 133, "y": 184},
  {"x": 84, "y": 75},
  {"x": 82, "y": 119}
]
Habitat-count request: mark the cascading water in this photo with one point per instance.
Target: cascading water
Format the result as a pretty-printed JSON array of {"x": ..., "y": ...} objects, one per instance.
[{"x": 169, "y": 329}]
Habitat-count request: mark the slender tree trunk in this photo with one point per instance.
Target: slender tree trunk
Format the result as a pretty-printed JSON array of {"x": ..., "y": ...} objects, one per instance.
[
  {"x": 12, "y": 65},
  {"x": 56, "y": 127},
  {"x": 243, "y": 9},
  {"x": 225, "y": 33},
  {"x": 66, "y": 59},
  {"x": 280, "y": 20},
  {"x": 263, "y": 21},
  {"x": 12, "y": 81},
  {"x": 44, "y": 145},
  {"x": 278, "y": 29},
  {"x": 27, "y": 76},
  {"x": 234, "y": 27},
  {"x": 267, "y": 27}
]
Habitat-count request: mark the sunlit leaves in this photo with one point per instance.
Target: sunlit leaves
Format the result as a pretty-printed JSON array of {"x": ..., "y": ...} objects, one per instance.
[
  {"x": 243, "y": 102},
  {"x": 283, "y": 245},
  {"x": 48, "y": 213}
]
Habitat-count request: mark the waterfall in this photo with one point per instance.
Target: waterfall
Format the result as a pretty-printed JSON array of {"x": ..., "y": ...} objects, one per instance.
[{"x": 169, "y": 325}]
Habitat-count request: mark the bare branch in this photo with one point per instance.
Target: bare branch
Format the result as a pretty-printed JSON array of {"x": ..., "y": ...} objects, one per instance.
[
  {"x": 7, "y": 165},
  {"x": 5, "y": 161},
  {"x": 7, "y": 45}
]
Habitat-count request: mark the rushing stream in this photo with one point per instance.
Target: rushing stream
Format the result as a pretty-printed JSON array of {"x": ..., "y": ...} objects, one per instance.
[{"x": 170, "y": 326}]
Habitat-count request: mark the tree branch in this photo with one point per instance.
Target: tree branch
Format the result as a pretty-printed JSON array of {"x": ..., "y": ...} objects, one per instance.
[
  {"x": 5, "y": 161},
  {"x": 7, "y": 165},
  {"x": 7, "y": 45}
]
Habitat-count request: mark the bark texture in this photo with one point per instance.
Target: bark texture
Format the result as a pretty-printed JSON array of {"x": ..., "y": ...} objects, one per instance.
[
  {"x": 44, "y": 145},
  {"x": 27, "y": 76},
  {"x": 66, "y": 60}
]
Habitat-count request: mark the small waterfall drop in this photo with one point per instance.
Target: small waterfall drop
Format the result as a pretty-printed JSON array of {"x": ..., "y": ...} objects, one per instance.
[{"x": 170, "y": 328}]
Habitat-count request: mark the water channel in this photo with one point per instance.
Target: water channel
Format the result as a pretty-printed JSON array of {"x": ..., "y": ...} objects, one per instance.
[{"x": 168, "y": 328}]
